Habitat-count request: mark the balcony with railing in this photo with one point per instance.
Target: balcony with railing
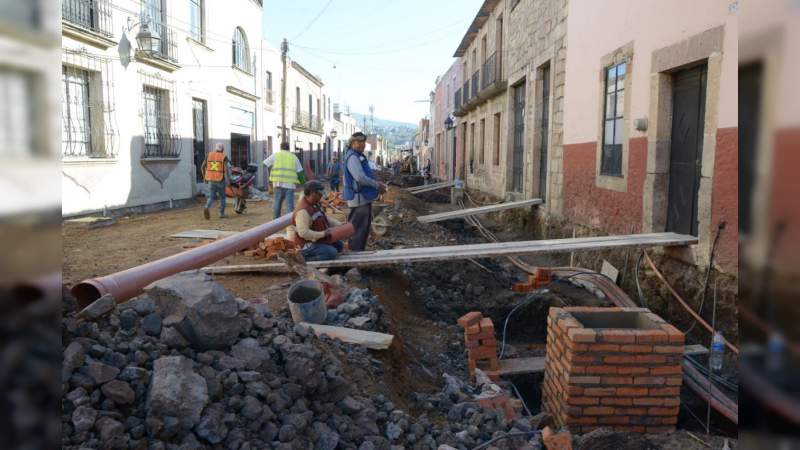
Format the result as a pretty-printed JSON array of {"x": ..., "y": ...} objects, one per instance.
[
  {"x": 465, "y": 93},
  {"x": 489, "y": 71},
  {"x": 164, "y": 53},
  {"x": 308, "y": 122},
  {"x": 476, "y": 87},
  {"x": 457, "y": 99},
  {"x": 88, "y": 20}
]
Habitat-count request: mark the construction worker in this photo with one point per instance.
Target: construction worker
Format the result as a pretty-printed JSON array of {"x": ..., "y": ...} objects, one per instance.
[
  {"x": 360, "y": 190},
  {"x": 334, "y": 169},
  {"x": 217, "y": 173},
  {"x": 312, "y": 227},
  {"x": 285, "y": 174}
]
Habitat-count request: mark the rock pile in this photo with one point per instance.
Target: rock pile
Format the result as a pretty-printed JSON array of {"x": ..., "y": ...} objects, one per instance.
[
  {"x": 155, "y": 373},
  {"x": 360, "y": 309}
]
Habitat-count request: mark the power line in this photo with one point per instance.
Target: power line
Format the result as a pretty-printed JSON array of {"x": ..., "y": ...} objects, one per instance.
[{"x": 314, "y": 20}]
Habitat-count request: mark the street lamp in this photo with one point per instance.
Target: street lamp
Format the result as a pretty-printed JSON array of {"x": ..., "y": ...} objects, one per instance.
[{"x": 147, "y": 39}]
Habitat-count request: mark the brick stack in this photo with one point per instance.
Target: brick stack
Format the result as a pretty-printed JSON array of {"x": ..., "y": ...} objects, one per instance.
[
  {"x": 539, "y": 279},
  {"x": 481, "y": 344},
  {"x": 270, "y": 248},
  {"x": 626, "y": 375},
  {"x": 510, "y": 407}
]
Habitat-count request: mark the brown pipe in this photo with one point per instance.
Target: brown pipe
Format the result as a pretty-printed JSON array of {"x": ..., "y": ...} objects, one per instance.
[
  {"x": 342, "y": 232},
  {"x": 130, "y": 283},
  {"x": 704, "y": 389}
]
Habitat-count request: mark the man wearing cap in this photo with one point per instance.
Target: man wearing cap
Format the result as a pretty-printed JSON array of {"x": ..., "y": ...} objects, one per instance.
[
  {"x": 360, "y": 190},
  {"x": 312, "y": 227},
  {"x": 217, "y": 173},
  {"x": 285, "y": 174}
]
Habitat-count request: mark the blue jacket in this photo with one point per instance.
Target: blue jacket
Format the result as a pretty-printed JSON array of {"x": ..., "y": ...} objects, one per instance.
[{"x": 351, "y": 187}]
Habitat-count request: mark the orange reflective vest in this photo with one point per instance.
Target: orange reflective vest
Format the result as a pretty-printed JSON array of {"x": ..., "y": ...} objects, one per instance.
[{"x": 215, "y": 166}]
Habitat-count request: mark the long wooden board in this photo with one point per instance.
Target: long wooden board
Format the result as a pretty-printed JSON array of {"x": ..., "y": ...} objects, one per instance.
[
  {"x": 432, "y": 187},
  {"x": 535, "y": 364},
  {"x": 490, "y": 250},
  {"x": 480, "y": 210},
  {"x": 368, "y": 339},
  {"x": 203, "y": 234},
  {"x": 441, "y": 184}
]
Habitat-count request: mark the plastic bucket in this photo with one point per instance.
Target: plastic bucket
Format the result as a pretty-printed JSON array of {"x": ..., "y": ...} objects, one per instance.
[{"x": 307, "y": 302}]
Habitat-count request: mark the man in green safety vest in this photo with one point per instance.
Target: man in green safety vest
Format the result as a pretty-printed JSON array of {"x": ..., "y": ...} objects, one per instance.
[{"x": 285, "y": 174}]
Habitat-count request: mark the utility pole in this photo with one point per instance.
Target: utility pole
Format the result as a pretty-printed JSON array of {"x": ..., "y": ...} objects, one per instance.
[{"x": 284, "y": 53}]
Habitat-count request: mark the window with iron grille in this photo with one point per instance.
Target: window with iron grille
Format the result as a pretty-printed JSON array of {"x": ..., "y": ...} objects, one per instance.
[
  {"x": 153, "y": 13},
  {"x": 482, "y": 143},
  {"x": 76, "y": 115},
  {"x": 613, "y": 114},
  {"x": 269, "y": 88},
  {"x": 241, "y": 50},
  {"x": 159, "y": 142},
  {"x": 94, "y": 15},
  {"x": 197, "y": 20}
]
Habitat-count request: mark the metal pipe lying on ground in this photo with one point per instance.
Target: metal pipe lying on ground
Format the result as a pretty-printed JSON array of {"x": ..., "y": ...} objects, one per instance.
[{"x": 130, "y": 283}]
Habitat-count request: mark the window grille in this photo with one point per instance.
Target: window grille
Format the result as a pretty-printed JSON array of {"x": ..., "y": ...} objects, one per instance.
[
  {"x": 613, "y": 112},
  {"x": 241, "y": 50},
  {"x": 159, "y": 118}
]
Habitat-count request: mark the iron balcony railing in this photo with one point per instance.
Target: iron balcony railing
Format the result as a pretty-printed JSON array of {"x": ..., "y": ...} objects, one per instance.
[
  {"x": 489, "y": 71},
  {"x": 169, "y": 42},
  {"x": 458, "y": 99},
  {"x": 465, "y": 92},
  {"x": 476, "y": 86},
  {"x": 94, "y": 15},
  {"x": 308, "y": 121}
]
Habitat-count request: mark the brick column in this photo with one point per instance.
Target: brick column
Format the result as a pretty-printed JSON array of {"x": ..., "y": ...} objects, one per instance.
[{"x": 612, "y": 367}]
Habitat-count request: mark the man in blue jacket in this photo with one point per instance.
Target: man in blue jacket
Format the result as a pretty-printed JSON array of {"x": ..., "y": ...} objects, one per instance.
[{"x": 360, "y": 190}]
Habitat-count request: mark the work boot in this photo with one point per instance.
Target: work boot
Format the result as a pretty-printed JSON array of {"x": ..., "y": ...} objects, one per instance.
[
  {"x": 206, "y": 214},
  {"x": 223, "y": 216}
]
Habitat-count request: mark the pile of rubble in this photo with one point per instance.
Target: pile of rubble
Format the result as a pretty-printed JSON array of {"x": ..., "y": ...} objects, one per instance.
[
  {"x": 186, "y": 365},
  {"x": 361, "y": 310}
]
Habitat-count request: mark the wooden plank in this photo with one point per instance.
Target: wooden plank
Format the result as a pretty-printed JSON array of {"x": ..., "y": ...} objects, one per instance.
[
  {"x": 433, "y": 187},
  {"x": 492, "y": 250},
  {"x": 535, "y": 364},
  {"x": 480, "y": 210},
  {"x": 368, "y": 339}
]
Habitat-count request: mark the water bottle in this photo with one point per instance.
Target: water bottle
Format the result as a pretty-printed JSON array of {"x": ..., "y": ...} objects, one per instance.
[
  {"x": 717, "y": 352},
  {"x": 775, "y": 353}
]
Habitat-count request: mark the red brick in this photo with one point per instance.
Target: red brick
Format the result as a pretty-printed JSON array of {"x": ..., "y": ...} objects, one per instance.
[
  {"x": 669, "y": 420},
  {"x": 618, "y": 336},
  {"x": 584, "y": 380},
  {"x": 660, "y": 429},
  {"x": 582, "y": 335},
  {"x": 651, "y": 337},
  {"x": 600, "y": 391},
  {"x": 617, "y": 380},
  {"x": 470, "y": 318},
  {"x": 617, "y": 401},
  {"x": 630, "y": 411},
  {"x": 483, "y": 335},
  {"x": 603, "y": 347},
  {"x": 583, "y": 359},
  {"x": 575, "y": 390},
  {"x": 483, "y": 353},
  {"x": 636, "y": 348},
  {"x": 665, "y": 392},
  {"x": 472, "y": 344},
  {"x": 620, "y": 359},
  {"x": 632, "y": 370},
  {"x": 650, "y": 359},
  {"x": 631, "y": 391},
  {"x": 577, "y": 348},
  {"x": 648, "y": 401},
  {"x": 668, "y": 349},
  {"x": 583, "y": 401},
  {"x": 614, "y": 420},
  {"x": 666, "y": 370},
  {"x": 601, "y": 369},
  {"x": 673, "y": 411},
  {"x": 598, "y": 411},
  {"x": 629, "y": 428},
  {"x": 672, "y": 401},
  {"x": 487, "y": 325},
  {"x": 675, "y": 335},
  {"x": 585, "y": 420},
  {"x": 473, "y": 329},
  {"x": 657, "y": 381}
]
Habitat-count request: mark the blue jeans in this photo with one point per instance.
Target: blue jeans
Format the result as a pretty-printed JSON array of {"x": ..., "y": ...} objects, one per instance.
[
  {"x": 281, "y": 194},
  {"x": 335, "y": 184},
  {"x": 216, "y": 189},
  {"x": 319, "y": 251}
]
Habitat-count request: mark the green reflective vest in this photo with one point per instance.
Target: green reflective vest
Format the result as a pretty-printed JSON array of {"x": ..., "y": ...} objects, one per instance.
[{"x": 284, "y": 168}]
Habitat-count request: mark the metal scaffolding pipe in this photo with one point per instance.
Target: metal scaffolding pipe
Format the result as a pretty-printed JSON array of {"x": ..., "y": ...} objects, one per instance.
[{"x": 130, "y": 283}]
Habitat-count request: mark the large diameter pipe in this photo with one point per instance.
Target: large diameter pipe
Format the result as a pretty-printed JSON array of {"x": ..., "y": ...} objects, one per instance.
[{"x": 131, "y": 282}]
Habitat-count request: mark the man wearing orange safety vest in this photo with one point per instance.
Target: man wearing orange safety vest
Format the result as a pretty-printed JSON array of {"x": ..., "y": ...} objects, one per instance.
[{"x": 217, "y": 172}]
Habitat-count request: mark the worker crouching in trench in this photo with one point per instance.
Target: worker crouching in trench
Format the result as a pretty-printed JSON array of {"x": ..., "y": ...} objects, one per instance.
[{"x": 312, "y": 227}]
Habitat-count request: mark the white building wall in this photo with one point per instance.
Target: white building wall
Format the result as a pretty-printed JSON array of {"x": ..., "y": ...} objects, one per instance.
[{"x": 204, "y": 71}]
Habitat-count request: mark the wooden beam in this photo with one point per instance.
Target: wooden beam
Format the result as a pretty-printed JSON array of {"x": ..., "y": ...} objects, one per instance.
[
  {"x": 535, "y": 364},
  {"x": 203, "y": 234},
  {"x": 480, "y": 210},
  {"x": 490, "y": 250},
  {"x": 368, "y": 339},
  {"x": 432, "y": 187}
]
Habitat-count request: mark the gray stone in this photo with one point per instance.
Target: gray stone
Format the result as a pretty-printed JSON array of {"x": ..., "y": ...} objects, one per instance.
[
  {"x": 119, "y": 392},
  {"x": 78, "y": 396},
  {"x": 251, "y": 352},
  {"x": 98, "y": 308},
  {"x": 101, "y": 373},
  {"x": 206, "y": 314},
  {"x": 74, "y": 356},
  {"x": 358, "y": 322},
  {"x": 303, "y": 330},
  {"x": 131, "y": 373},
  {"x": 258, "y": 389},
  {"x": 212, "y": 428},
  {"x": 176, "y": 390},
  {"x": 128, "y": 318},
  {"x": 287, "y": 433},
  {"x": 327, "y": 439},
  {"x": 251, "y": 408},
  {"x": 173, "y": 338},
  {"x": 248, "y": 376},
  {"x": 151, "y": 324},
  {"x": 142, "y": 304},
  {"x": 111, "y": 432},
  {"x": 350, "y": 406},
  {"x": 83, "y": 418}
]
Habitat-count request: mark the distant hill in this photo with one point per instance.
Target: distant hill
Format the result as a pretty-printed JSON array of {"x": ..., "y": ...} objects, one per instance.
[{"x": 396, "y": 133}]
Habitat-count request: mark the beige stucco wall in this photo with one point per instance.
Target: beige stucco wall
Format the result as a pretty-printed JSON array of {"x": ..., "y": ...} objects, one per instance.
[{"x": 597, "y": 28}]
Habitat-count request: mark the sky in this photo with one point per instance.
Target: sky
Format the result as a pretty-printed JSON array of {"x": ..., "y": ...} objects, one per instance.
[{"x": 385, "y": 53}]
